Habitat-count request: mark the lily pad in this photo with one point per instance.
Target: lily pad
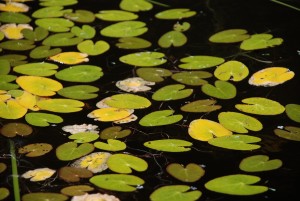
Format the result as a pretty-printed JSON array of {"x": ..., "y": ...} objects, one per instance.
[
  {"x": 82, "y": 16},
  {"x": 14, "y": 59},
  {"x": 153, "y": 74},
  {"x": 117, "y": 182},
  {"x": 58, "y": 2},
  {"x": 259, "y": 163},
  {"x": 236, "y": 142},
  {"x": 50, "y": 12},
  {"x": 160, "y": 118},
  {"x": 91, "y": 48},
  {"x": 190, "y": 173},
  {"x": 193, "y": 78},
  {"x": 169, "y": 145},
  {"x": 37, "y": 69},
  {"x": 17, "y": 45},
  {"x": 175, "y": 14},
  {"x": 293, "y": 112},
  {"x": 289, "y": 133},
  {"x": 124, "y": 29},
  {"x": 133, "y": 43},
  {"x": 175, "y": 192},
  {"x": 44, "y": 51},
  {"x": 124, "y": 163},
  {"x": 62, "y": 40},
  {"x": 37, "y": 34},
  {"x": 12, "y": 17},
  {"x": 71, "y": 58},
  {"x": 35, "y": 150},
  {"x": 221, "y": 90},
  {"x": 39, "y": 174},
  {"x": 135, "y": 5},
  {"x": 44, "y": 196},
  {"x": 205, "y": 105},
  {"x": 144, "y": 59},
  {"x": 260, "y": 41},
  {"x": 114, "y": 132},
  {"x": 128, "y": 101},
  {"x": 200, "y": 62},
  {"x": 70, "y": 150},
  {"x": 14, "y": 129},
  {"x": 14, "y": 7},
  {"x": 5, "y": 82},
  {"x": 76, "y": 190},
  {"x": 238, "y": 122},
  {"x": 4, "y": 193},
  {"x": 172, "y": 38},
  {"x": 42, "y": 119},
  {"x": 83, "y": 137},
  {"x": 5, "y": 67},
  {"x": 229, "y": 36},
  {"x": 55, "y": 24},
  {"x": 172, "y": 92},
  {"x": 260, "y": 106},
  {"x": 60, "y": 105},
  {"x": 86, "y": 32},
  {"x": 73, "y": 174},
  {"x": 111, "y": 145},
  {"x": 231, "y": 70},
  {"x": 79, "y": 92},
  {"x": 237, "y": 184},
  {"x": 181, "y": 27},
  {"x": 116, "y": 15},
  {"x": 12, "y": 110}
]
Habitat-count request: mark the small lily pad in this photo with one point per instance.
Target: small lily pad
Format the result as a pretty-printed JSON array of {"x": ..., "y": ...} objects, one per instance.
[
  {"x": 133, "y": 43},
  {"x": 42, "y": 119},
  {"x": 169, "y": 145},
  {"x": 14, "y": 129},
  {"x": 289, "y": 133},
  {"x": 44, "y": 51},
  {"x": 135, "y": 5},
  {"x": 124, "y": 163},
  {"x": 114, "y": 132},
  {"x": 73, "y": 174},
  {"x": 4, "y": 193},
  {"x": 44, "y": 196},
  {"x": 160, "y": 118},
  {"x": 125, "y": 29},
  {"x": 172, "y": 92},
  {"x": 79, "y": 92},
  {"x": 116, "y": 15},
  {"x": 50, "y": 12},
  {"x": 193, "y": 78},
  {"x": 293, "y": 112},
  {"x": 260, "y": 41},
  {"x": 144, "y": 59},
  {"x": 70, "y": 150},
  {"x": 82, "y": 16},
  {"x": 200, "y": 62},
  {"x": 83, "y": 137},
  {"x": 229, "y": 36},
  {"x": 128, "y": 101},
  {"x": 17, "y": 45},
  {"x": 2, "y": 168},
  {"x": 5, "y": 82},
  {"x": 231, "y": 70},
  {"x": 190, "y": 173},
  {"x": 60, "y": 105},
  {"x": 62, "y": 40},
  {"x": 175, "y": 14},
  {"x": 37, "y": 34},
  {"x": 91, "y": 48},
  {"x": 153, "y": 74},
  {"x": 181, "y": 27},
  {"x": 205, "y": 105},
  {"x": 111, "y": 145},
  {"x": 35, "y": 150},
  {"x": 258, "y": 163},
  {"x": 86, "y": 32},
  {"x": 37, "y": 69},
  {"x": 172, "y": 38},
  {"x": 221, "y": 90},
  {"x": 55, "y": 24},
  {"x": 39, "y": 174},
  {"x": 71, "y": 58}
]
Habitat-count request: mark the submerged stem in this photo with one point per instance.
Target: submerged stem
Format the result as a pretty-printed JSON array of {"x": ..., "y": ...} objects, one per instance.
[
  {"x": 158, "y": 3},
  {"x": 14, "y": 168}
]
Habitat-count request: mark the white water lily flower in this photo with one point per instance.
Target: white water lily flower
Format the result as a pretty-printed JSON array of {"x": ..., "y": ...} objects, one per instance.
[
  {"x": 13, "y": 31},
  {"x": 39, "y": 174},
  {"x": 14, "y": 7},
  {"x": 95, "y": 197},
  {"x": 134, "y": 84},
  {"x": 80, "y": 128}
]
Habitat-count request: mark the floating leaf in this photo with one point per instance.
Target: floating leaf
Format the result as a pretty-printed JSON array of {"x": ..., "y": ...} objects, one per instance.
[
  {"x": 82, "y": 16},
  {"x": 172, "y": 92},
  {"x": 261, "y": 106},
  {"x": 80, "y": 73},
  {"x": 4, "y": 193},
  {"x": 133, "y": 43},
  {"x": 44, "y": 196},
  {"x": 91, "y": 48},
  {"x": 5, "y": 67},
  {"x": 70, "y": 58},
  {"x": 238, "y": 184},
  {"x": 125, "y": 29},
  {"x": 27, "y": 100},
  {"x": 5, "y": 82},
  {"x": 128, "y": 101},
  {"x": 204, "y": 130},
  {"x": 231, "y": 70},
  {"x": 238, "y": 122},
  {"x": 181, "y": 27},
  {"x": 55, "y": 24},
  {"x": 144, "y": 59},
  {"x": 76, "y": 190},
  {"x": 79, "y": 92},
  {"x": 73, "y": 174},
  {"x": 110, "y": 114},
  {"x": 169, "y": 145},
  {"x": 62, "y": 40},
  {"x": 293, "y": 112},
  {"x": 39, "y": 174},
  {"x": 14, "y": 59},
  {"x": 13, "y": 31},
  {"x": 135, "y": 5},
  {"x": 229, "y": 36},
  {"x": 111, "y": 145},
  {"x": 175, "y": 14},
  {"x": 83, "y": 137},
  {"x": 117, "y": 182},
  {"x": 221, "y": 90},
  {"x": 289, "y": 133},
  {"x": 175, "y": 192},
  {"x": 2, "y": 168},
  {"x": 50, "y": 12},
  {"x": 116, "y": 15},
  {"x": 205, "y": 105},
  {"x": 70, "y": 150},
  {"x": 12, "y": 17},
  {"x": 134, "y": 84},
  {"x": 13, "y": 129},
  {"x": 153, "y": 74},
  {"x": 200, "y": 62},
  {"x": 172, "y": 38},
  {"x": 86, "y": 32},
  {"x": 260, "y": 41},
  {"x": 35, "y": 150},
  {"x": 272, "y": 76},
  {"x": 44, "y": 51},
  {"x": 258, "y": 163},
  {"x": 12, "y": 110},
  {"x": 42, "y": 119},
  {"x": 160, "y": 118},
  {"x": 190, "y": 173},
  {"x": 236, "y": 142},
  {"x": 193, "y": 78},
  {"x": 58, "y": 2},
  {"x": 37, "y": 34},
  {"x": 60, "y": 105},
  {"x": 17, "y": 45},
  {"x": 114, "y": 132},
  {"x": 37, "y": 69},
  {"x": 124, "y": 163}
]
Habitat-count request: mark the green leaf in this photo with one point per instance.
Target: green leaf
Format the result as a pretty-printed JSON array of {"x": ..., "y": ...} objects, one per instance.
[
  {"x": 200, "y": 62},
  {"x": 153, "y": 74},
  {"x": 190, "y": 173},
  {"x": 5, "y": 82},
  {"x": 43, "y": 51},
  {"x": 172, "y": 38},
  {"x": 79, "y": 92},
  {"x": 84, "y": 137},
  {"x": 111, "y": 145},
  {"x": 238, "y": 184},
  {"x": 17, "y": 45},
  {"x": 86, "y": 32},
  {"x": 14, "y": 59},
  {"x": 5, "y": 67},
  {"x": 181, "y": 27},
  {"x": 50, "y": 12},
  {"x": 82, "y": 16},
  {"x": 238, "y": 122},
  {"x": 124, "y": 163},
  {"x": 14, "y": 17},
  {"x": 116, "y": 15},
  {"x": 92, "y": 49},
  {"x": 144, "y": 59},
  {"x": 133, "y": 43},
  {"x": 36, "y": 149},
  {"x": 293, "y": 112},
  {"x": 229, "y": 36},
  {"x": 169, "y": 145},
  {"x": 38, "y": 34},
  {"x": 76, "y": 190},
  {"x": 62, "y": 39},
  {"x": 42, "y": 119},
  {"x": 4, "y": 193},
  {"x": 172, "y": 92},
  {"x": 58, "y": 2},
  {"x": 44, "y": 196},
  {"x": 231, "y": 70},
  {"x": 55, "y": 24},
  {"x": 205, "y": 105},
  {"x": 289, "y": 133},
  {"x": 80, "y": 73},
  {"x": 221, "y": 90},
  {"x": 125, "y": 29},
  {"x": 175, "y": 14},
  {"x": 60, "y": 105},
  {"x": 128, "y": 101},
  {"x": 37, "y": 69},
  {"x": 160, "y": 118},
  {"x": 236, "y": 142},
  {"x": 114, "y": 132},
  {"x": 135, "y": 5},
  {"x": 260, "y": 106},
  {"x": 70, "y": 150},
  {"x": 193, "y": 78},
  {"x": 259, "y": 163},
  {"x": 117, "y": 182},
  {"x": 260, "y": 41}
]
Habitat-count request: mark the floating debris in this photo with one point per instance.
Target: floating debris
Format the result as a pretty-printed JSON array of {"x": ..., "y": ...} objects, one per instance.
[
  {"x": 134, "y": 84},
  {"x": 13, "y": 31},
  {"x": 97, "y": 196},
  {"x": 39, "y": 174},
  {"x": 80, "y": 128}
]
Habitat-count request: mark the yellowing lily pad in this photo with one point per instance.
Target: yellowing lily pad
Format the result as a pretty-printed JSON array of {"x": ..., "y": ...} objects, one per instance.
[
  {"x": 116, "y": 15},
  {"x": 204, "y": 130},
  {"x": 27, "y": 100},
  {"x": 13, "y": 31},
  {"x": 124, "y": 163},
  {"x": 231, "y": 70},
  {"x": 110, "y": 114},
  {"x": 2, "y": 167},
  {"x": 293, "y": 112},
  {"x": 229, "y": 36},
  {"x": 114, "y": 132},
  {"x": 289, "y": 133},
  {"x": 260, "y": 41},
  {"x": 175, "y": 14},
  {"x": 14, "y": 7},
  {"x": 128, "y": 101},
  {"x": 258, "y": 163},
  {"x": 135, "y": 5},
  {"x": 74, "y": 174},
  {"x": 91, "y": 48},
  {"x": 35, "y": 150},
  {"x": 39, "y": 174},
  {"x": 60, "y": 105},
  {"x": 12, "y": 110},
  {"x": 160, "y": 118},
  {"x": 125, "y": 29},
  {"x": 134, "y": 84},
  {"x": 42, "y": 119},
  {"x": 169, "y": 145},
  {"x": 144, "y": 59},
  {"x": 76, "y": 190},
  {"x": 271, "y": 76},
  {"x": 200, "y": 62},
  {"x": 206, "y": 105},
  {"x": 70, "y": 58},
  {"x": 190, "y": 173},
  {"x": 153, "y": 74},
  {"x": 80, "y": 73},
  {"x": 133, "y": 43}
]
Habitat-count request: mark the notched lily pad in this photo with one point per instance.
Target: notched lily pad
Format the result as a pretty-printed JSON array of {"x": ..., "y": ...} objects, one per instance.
[
  {"x": 70, "y": 150},
  {"x": 114, "y": 132},
  {"x": 160, "y": 118},
  {"x": 205, "y": 105},
  {"x": 169, "y": 145},
  {"x": 79, "y": 92},
  {"x": 293, "y": 112},
  {"x": 231, "y": 70},
  {"x": 91, "y": 48},
  {"x": 70, "y": 58},
  {"x": 221, "y": 90},
  {"x": 83, "y": 137},
  {"x": 42, "y": 119},
  {"x": 124, "y": 163},
  {"x": 135, "y": 5},
  {"x": 80, "y": 73},
  {"x": 125, "y": 29},
  {"x": 37, "y": 34},
  {"x": 190, "y": 173},
  {"x": 35, "y": 150},
  {"x": 81, "y": 16},
  {"x": 260, "y": 41},
  {"x": 153, "y": 74},
  {"x": 37, "y": 69},
  {"x": 172, "y": 38},
  {"x": 200, "y": 62},
  {"x": 62, "y": 40},
  {"x": 128, "y": 101},
  {"x": 17, "y": 45},
  {"x": 144, "y": 59},
  {"x": 55, "y": 24},
  {"x": 175, "y": 14},
  {"x": 116, "y": 15},
  {"x": 73, "y": 174},
  {"x": 44, "y": 51},
  {"x": 50, "y": 12},
  {"x": 259, "y": 163},
  {"x": 133, "y": 43},
  {"x": 76, "y": 190},
  {"x": 12, "y": 110},
  {"x": 60, "y": 105},
  {"x": 289, "y": 133},
  {"x": 12, "y": 17},
  {"x": 86, "y": 32},
  {"x": 44, "y": 196},
  {"x": 229, "y": 36},
  {"x": 13, "y": 129},
  {"x": 111, "y": 145},
  {"x": 172, "y": 92},
  {"x": 193, "y": 78}
]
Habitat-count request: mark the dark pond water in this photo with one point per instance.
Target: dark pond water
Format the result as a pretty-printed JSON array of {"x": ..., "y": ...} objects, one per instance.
[{"x": 256, "y": 16}]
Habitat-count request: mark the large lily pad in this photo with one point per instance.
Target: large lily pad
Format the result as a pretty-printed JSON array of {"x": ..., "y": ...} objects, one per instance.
[
  {"x": 160, "y": 118},
  {"x": 153, "y": 74},
  {"x": 91, "y": 48},
  {"x": 260, "y": 41},
  {"x": 175, "y": 14},
  {"x": 229, "y": 36},
  {"x": 55, "y": 24},
  {"x": 205, "y": 105},
  {"x": 128, "y": 101},
  {"x": 221, "y": 90},
  {"x": 42, "y": 119},
  {"x": 37, "y": 69},
  {"x": 289, "y": 133},
  {"x": 200, "y": 62},
  {"x": 172, "y": 38},
  {"x": 124, "y": 163},
  {"x": 144, "y": 59},
  {"x": 293, "y": 112},
  {"x": 116, "y": 15},
  {"x": 169, "y": 145},
  {"x": 79, "y": 92},
  {"x": 231, "y": 70},
  {"x": 62, "y": 40},
  {"x": 60, "y": 105},
  {"x": 80, "y": 73},
  {"x": 193, "y": 78},
  {"x": 14, "y": 59},
  {"x": 125, "y": 29},
  {"x": 172, "y": 92},
  {"x": 70, "y": 150},
  {"x": 16, "y": 128},
  {"x": 17, "y": 45},
  {"x": 258, "y": 163},
  {"x": 135, "y": 5}
]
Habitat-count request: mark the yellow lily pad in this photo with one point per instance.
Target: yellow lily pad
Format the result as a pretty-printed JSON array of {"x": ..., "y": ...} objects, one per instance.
[
  {"x": 70, "y": 57},
  {"x": 14, "y": 7},
  {"x": 28, "y": 101},
  {"x": 39, "y": 174},
  {"x": 13, "y": 31},
  {"x": 110, "y": 114},
  {"x": 40, "y": 86},
  {"x": 12, "y": 110}
]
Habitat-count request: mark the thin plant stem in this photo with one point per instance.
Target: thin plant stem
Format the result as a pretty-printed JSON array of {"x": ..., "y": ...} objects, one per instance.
[
  {"x": 14, "y": 168},
  {"x": 158, "y": 3},
  {"x": 285, "y": 4}
]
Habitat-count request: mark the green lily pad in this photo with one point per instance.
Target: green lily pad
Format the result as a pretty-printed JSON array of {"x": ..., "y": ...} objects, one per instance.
[
  {"x": 238, "y": 122},
  {"x": 5, "y": 82},
  {"x": 293, "y": 112},
  {"x": 125, "y": 29},
  {"x": 172, "y": 92},
  {"x": 14, "y": 17},
  {"x": 181, "y": 27},
  {"x": 76, "y": 190},
  {"x": 70, "y": 150},
  {"x": 237, "y": 184},
  {"x": 229, "y": 36},
  {"x": 55, "y": 24},
  {"x": 117, "y": 182},
  {"x": 128, "y": 101},
  {"x": 111, "y": 145},
  {"x": 133, "y": 43},
  {"x": 289, "y": 133},
  {"x": 57, "y": 2},
  {"x": 153, "y": 74},
  {"x": 190, "y": 173},
  {"x": 17, "y": 45},
  {"x": 231, "y": 70},
  {"x": 44, "y": 51},
  {"x": 260, "y": 41},
  {"x": 50, "y": 12},
  {"x": 37, "y": 69},
  {"x": 124, "y": 163},
  {"x": 144, "y": 59},
  {"x": 172, "y": 38},
  {"x": 80, "y": 73},
  {"x": 193, "y": 78},
  {"x": 175, "y": 14},
  {"x": 92, "y": 49},
  {"x": 79, "y": 92},
  {"x": 60, "y": 105},
  {"x": 2, "y": 36},
  {"x": 135, "y": 5},
  {"x": 62, "y": 39},
  {"x": 261, "y": 106},
  {"x": 259, "y": 163},
  {"x": 86, "y": 32},
  {"x": 200, "y": 62},
  {"x": 73, "y": 174},
  {"x": 236, "y": 142},
  {"x": 160, "y": 118},
  {"x": 175, "y": 192},
  {"x": 44, "y": 196},
  {"x": 114, "y": 132},
  {"x": 5, "y": 67},
  {"x": 84, "y": 137},
  {"x": 4, "y": 193},
  {"x": 116, "y": 15},
  {"x": 205, "y": 105},
  {"x": 221, "y": 90},
  {"x": 14, "y": 59},
  {"x": 42, "y": 119},
  {"x": 82, "y": 16},
  {"x": 169, "y": 145},
  {"x": 36, "y": 149},
  {"x": 38, "y": 34}
]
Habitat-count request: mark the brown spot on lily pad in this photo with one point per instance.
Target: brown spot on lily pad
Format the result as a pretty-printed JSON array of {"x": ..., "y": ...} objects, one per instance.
[{"x": 34, "y": 150}]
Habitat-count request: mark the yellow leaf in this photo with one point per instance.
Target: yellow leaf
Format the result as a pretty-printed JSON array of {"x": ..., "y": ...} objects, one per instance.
[
  {"x": 12, "y": 110},
  {"x": 70, "y": 57},
  {"x": 28, "y": 101},
  {"x": 13, "y": 31},
  {"x": 14, "y": 7},
  {"x": 4, "y": 96},
  {"x": 110, "y": 114},
  {"x": 39, "y": 174}
]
